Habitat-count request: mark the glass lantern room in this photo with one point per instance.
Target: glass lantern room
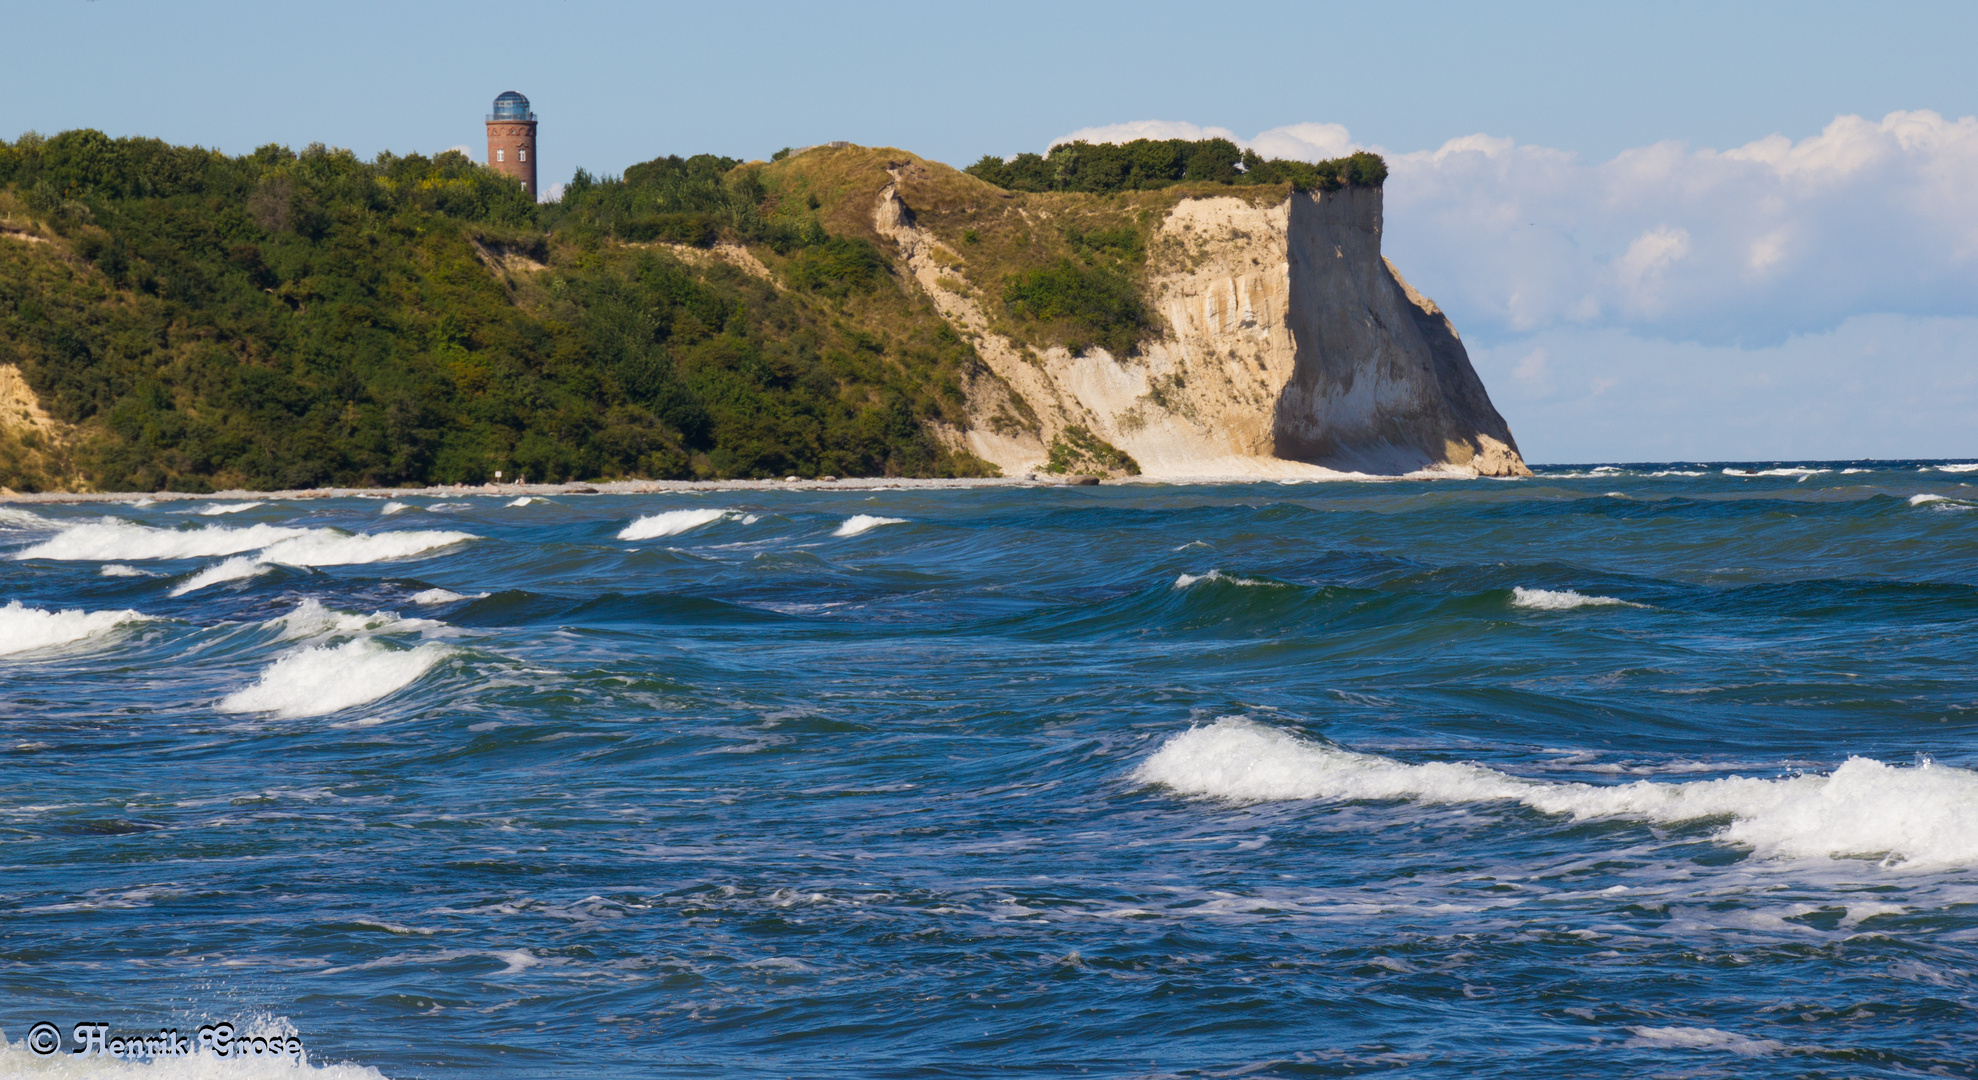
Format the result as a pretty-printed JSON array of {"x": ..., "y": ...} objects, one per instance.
[{"x": 511, "y": 106}]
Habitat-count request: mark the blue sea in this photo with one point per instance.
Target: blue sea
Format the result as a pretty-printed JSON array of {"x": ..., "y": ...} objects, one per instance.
[{"x": 1647, "y": 770}]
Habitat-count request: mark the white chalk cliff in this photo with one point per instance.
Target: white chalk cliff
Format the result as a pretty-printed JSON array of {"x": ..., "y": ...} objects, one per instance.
[{"x": 1291, "y": 348}]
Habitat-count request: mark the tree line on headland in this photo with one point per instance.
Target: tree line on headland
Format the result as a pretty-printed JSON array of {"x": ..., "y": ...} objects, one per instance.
[{"x": 283, "y": 319}]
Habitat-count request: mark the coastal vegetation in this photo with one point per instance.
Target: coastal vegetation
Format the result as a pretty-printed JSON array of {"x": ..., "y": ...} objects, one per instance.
[
  {"x": 285, "y": 319},
  {"x": 1152, "y": 164}
]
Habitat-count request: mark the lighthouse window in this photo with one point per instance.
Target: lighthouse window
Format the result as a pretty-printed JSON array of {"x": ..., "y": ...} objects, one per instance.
[
  {"x": 521, "y": 155},
  {"x": 501, "y": 155}
]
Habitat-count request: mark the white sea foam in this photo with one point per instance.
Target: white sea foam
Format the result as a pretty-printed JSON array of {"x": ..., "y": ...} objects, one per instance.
[
  {"x": 394, "y": 507},
  {"x": 1185, "y": 580},
  {"x": 859, "y": 523},
  {"x": 524, "y": 501},
  {"x": 1941, "y": 501},
  {"x": 1560, "y": 599},
  {"x": 1680, "y": 472},
  {"x": 437, "y": 596},
  {"x": 114, "y": 540},
  {"x": 326, "y": 547},
  {"x": 672, "y": 523},
  {"x": 24, "y": 628},
  {"x": 330, "y": 678},
  {"x": 311, "y": 619},
  {"x": 216, "y": 509},
  {"x": 1703, "y": 1039},
  {"x": 1802, "y": 473},
  {"x": 120, "y": 570},
  {"x": 1916, "y": 817},
  {"x": 1968, "y": 466},
  {"x": 234, "y": 569},
  {"x": 13, "y": 517}
]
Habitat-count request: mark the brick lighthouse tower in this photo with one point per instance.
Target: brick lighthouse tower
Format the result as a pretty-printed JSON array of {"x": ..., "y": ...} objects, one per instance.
[{"x": 512, "y": 140}]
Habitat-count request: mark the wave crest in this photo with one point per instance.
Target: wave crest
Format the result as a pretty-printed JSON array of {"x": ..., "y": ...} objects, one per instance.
[
  {"x": 1918, "y": 817},
  {"x": 24, "y": 629}
]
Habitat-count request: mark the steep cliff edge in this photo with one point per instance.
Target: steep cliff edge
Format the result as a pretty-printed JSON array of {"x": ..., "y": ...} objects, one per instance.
[{"x": 1288, "y": 346}]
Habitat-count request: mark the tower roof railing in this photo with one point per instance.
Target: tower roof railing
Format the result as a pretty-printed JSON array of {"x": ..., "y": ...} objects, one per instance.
[{"x": 529, "y": 116}]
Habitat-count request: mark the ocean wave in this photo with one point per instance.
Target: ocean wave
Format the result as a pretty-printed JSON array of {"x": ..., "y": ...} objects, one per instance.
[
  {"x": 524, "y": 501},
  {"x": 391, "y": 508},
  {"x": 216, "y": 509},
  {"x": 1944, "y": 502},
  {"x": 327, "y": 547},
  {"x": 1185, "y": 580},
  {"x": 234, "y": 569},
  {"x": 1561, "y": 599},
  {"x": 120, "y": 570},
  {"x": 115, "y": 540},
  {"x": 1678, "y": 472},
  {"x": 443, "y": 596},
  {"x": 324, "y": 679},
  {"x": 1785, "y": 471},
  {"x": 23, "y": 629},
  {"x": 13, "y": 517},
  {"x": 859, "y": 523},
  {"x": 673, "y": 523},
  {"x": 1925, "y": 816},
  {"x": 311, "y": 618},
  {"x": 1963, "y": 467}
]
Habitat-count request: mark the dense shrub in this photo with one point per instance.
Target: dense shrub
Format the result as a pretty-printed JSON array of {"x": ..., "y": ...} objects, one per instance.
[
  {"x": 1099, "y": 305},
  {"x": 1145, "y": 164}
]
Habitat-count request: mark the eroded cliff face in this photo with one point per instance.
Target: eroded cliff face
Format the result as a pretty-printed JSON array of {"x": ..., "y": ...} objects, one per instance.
[{"x": 1291, "y": 348}]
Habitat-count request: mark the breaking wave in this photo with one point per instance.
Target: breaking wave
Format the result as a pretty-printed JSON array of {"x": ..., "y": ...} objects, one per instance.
[
  {"x": 111, "y": 539},
  {"x": 1923, "y": 816},
  {"x": 234, "y": 569},
  {"x": 672, "y": 523},
  {"x": 216, "y": 509},
  {"x": 859, "y": 523},
  {"x": 23, "y": 629},
  {"x": 1185, "y": 580},
  {"x": 1560, "y": 599},
  {"x": 330, "y": 678}
]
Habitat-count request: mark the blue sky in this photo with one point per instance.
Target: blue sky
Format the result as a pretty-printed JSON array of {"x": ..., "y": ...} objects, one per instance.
[{"x": 1847, "y": 325}]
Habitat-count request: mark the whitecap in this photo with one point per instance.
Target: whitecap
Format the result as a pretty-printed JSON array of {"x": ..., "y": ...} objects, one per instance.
[
  {"x": 327, "y": 547},
  {"x": 1927, "y": 500},
  {"x": 1787, "y": 471},
  {"x": 311, "y": 619},
  {"x": 1913, "y": 817},
  {"x": 13, "y": 517},
  {"x": 120, "y": 570},
  {"x": 216, "y": 509},
  {"x": 394, "y": 507},
  {"x": 1560, "y": 599},
  {"x": 672, "y": 523},
  {"x": 1185, "y": 580},
  {"x": 1968, "y": 466},
  {"x": 442, "y": 596},
  {"x": 524, "y": 501},
  {"x": 1680, "y": 472},
  {"x": 113, "y": 540},
  {"x": 324, "y": 679},
  {"x": 234, "y": 569},
  {"x": 1702, "y": 1039},
  {"x": 859, "y": 523},
  {"x": 23, "y": 628}
]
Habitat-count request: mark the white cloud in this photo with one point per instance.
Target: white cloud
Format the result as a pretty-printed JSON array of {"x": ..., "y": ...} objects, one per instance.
[{"x": 1755, "y": 243}]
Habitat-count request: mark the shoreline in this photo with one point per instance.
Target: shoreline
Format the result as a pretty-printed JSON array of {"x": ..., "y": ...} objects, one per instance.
[{"x": 672, "y": 487}]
